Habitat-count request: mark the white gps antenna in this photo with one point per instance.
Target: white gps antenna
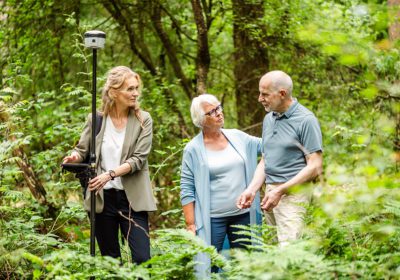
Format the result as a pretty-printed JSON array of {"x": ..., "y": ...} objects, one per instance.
[{"x": 95, "y": 39}]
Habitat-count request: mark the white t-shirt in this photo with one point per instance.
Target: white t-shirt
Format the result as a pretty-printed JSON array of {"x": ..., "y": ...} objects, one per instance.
[
  {"x": 111, "y": 150},
  {"x": 227, "y": 181}
]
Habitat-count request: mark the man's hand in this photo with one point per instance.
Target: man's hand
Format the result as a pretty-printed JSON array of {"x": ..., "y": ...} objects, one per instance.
[
  {"x": 245, "y": 199},
  {"x": 271, "y": 199}
]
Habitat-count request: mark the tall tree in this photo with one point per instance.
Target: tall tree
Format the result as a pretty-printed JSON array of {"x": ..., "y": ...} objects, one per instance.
[
  {"x": 203, "y": 54},
  {"x": 250, "y": 58}
]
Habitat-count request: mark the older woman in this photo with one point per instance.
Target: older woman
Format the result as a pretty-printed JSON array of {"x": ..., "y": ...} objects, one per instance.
[
  {"x": 124, "y": 194},
  {"x": 217, "y": 166}
]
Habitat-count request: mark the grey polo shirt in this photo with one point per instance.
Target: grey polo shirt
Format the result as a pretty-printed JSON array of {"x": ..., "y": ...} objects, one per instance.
[{"x": 287, "y": 139}]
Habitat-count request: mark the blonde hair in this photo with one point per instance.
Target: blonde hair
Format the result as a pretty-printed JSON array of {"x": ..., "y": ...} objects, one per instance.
[{"x": 115, "y": 79}]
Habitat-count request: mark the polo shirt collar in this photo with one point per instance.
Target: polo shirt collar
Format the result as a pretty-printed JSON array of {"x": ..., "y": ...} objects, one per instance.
[{"x": 289, "y": 112}]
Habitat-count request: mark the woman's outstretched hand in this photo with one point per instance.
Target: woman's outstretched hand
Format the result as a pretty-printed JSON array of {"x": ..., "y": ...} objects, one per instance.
[{"x": 74, "y": 157}]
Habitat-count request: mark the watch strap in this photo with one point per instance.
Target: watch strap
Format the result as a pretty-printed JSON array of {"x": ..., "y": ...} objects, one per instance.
[{"x": 112, "y": 174}]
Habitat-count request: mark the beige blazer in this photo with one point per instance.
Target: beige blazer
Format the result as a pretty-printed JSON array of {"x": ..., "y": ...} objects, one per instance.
[{"x": 136, "y": 148}]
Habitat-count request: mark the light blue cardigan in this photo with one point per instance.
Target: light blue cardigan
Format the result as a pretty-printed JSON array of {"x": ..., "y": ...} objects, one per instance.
[{"x": 195, "y": 181}]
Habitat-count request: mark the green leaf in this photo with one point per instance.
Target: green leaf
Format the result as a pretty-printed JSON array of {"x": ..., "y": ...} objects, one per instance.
[{"x": 370, "y": 92}]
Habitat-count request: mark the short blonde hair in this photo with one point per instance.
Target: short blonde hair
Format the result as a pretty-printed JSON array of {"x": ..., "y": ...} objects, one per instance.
[{"x": 196, "y": 110}]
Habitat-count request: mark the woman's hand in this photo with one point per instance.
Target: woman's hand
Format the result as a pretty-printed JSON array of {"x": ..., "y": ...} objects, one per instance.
[
  {"x": 188, "y": 212},
  {"x": 245, "y": 199},
  {"x": 74, "y": 157},
  {"x": 97, "y": 183}
]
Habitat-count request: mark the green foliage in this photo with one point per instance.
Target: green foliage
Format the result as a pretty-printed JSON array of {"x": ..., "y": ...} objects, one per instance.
[
  {"x": 345, "y": 69},
  {"x": 174, "y": 251},
  {"x": 349, "y": 243}
]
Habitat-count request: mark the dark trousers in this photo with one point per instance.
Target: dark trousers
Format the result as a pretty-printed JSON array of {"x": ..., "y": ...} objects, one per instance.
[
  {"x": 222, "y": 227},
  {"x": 110, "y": 221}
]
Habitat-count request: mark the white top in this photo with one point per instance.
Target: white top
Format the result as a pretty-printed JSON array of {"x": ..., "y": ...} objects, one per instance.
[
  {"x": 111, "y": 150},
  {"x": 227, "y": 181}
]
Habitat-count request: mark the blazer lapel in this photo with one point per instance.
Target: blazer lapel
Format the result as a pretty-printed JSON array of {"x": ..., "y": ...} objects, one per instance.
[{"x": 132, "y": 122}]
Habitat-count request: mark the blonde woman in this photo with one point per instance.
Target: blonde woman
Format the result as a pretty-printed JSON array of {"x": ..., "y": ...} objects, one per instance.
[{"x": 123, "y": 190}]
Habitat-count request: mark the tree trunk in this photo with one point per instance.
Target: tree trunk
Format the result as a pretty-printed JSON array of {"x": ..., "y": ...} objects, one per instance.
[
  {"x": 32, "y": 181},
  {"x": 251, "y": 60},
  {"x": 114, "y": 8},
  {"x": 170, "y": 50},
  {"x": 34, "y": 185},
  {"x": 203, "y": 54}
]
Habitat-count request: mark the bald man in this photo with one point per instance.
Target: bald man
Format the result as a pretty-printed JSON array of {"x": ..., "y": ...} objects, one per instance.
[{"x": 292, "y": 157}]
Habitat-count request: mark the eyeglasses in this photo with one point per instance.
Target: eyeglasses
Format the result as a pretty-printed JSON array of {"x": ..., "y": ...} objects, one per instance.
[{"x": 215, "y": 111}]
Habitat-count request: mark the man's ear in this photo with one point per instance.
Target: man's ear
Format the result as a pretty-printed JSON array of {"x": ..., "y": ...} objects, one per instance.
[{"x": 282, "y": 93}]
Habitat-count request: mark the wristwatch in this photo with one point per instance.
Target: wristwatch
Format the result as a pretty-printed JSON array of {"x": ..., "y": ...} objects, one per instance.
[{"x": 112, "y": 174}]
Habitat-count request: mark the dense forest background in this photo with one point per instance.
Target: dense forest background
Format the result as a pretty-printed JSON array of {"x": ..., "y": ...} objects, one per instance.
[{"x": 344, "y": 59}]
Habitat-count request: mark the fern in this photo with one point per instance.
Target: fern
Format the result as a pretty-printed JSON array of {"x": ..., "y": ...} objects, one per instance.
[{"x": 392, "y": 207}]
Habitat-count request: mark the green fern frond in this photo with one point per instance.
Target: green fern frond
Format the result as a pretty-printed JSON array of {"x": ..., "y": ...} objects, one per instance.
[{"x": 392, "y": 207}]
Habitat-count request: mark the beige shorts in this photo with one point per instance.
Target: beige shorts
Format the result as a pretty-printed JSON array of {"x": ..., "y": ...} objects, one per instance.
[{"x": 288, "y": 215}]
